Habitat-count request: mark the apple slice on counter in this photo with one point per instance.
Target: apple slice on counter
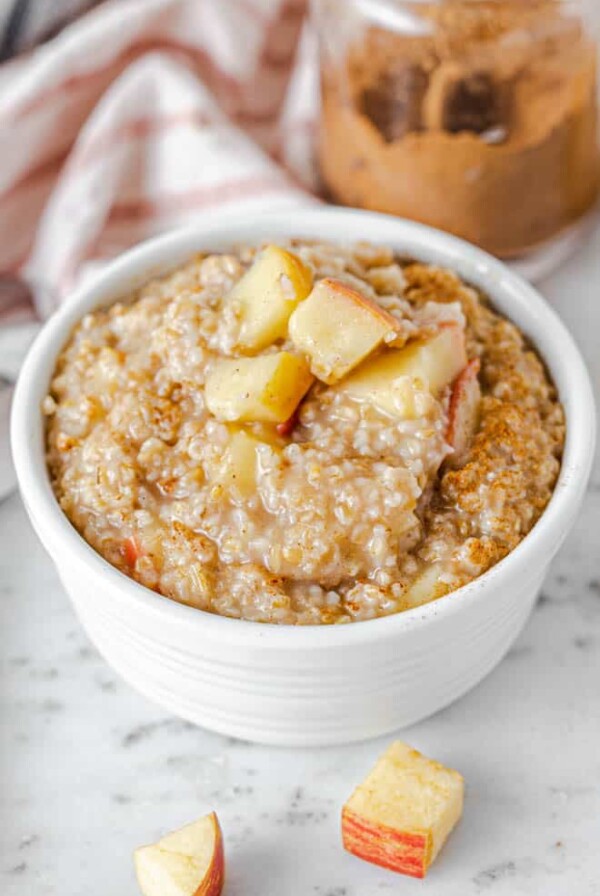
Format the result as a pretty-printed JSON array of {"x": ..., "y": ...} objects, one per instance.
[
  {"x": 265, "y": 389},
  {"x": 267, "y": 294},
  {"x": 188, "y": 862},
  {"x": 337, "y": 327},
  {"x": 463, "y": 413},
  {"x": 403, "y": 812},
  {"x": 431, "y": 363}
]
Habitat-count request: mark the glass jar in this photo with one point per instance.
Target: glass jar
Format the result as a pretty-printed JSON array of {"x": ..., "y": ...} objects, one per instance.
[{"x": 475, "y": 116}]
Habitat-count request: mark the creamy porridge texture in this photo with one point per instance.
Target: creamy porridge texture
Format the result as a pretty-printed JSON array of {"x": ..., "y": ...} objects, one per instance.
[{"x": 302, "y": 434}]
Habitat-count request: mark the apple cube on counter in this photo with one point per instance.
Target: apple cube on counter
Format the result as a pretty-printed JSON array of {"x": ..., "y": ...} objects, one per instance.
[
  {"x": 188, "y": 862},
  {"x": 430, "y": 364},
  {"x": 265, "y": 389},
  {"x": 337, "y": 327},
  {"x": 267, "y": 294},
  {"x": 403, "y": 812}
]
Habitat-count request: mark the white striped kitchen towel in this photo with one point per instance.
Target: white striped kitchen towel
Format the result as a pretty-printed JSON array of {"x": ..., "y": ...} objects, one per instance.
[{"x": 138, "y": 117}]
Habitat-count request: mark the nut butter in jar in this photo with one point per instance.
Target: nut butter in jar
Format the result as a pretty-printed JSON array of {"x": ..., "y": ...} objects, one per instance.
[{"x": 475, "y": 116}]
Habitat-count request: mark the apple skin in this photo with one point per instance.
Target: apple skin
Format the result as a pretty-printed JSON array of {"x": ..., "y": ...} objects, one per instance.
[
  {"x": 212, "y": 884},
  {"x": 405, "y": 852},
  {"x": 403, "y": 812},
  {"x": 286, "y": 428},
  {"x": 164, "y": 867},
  {"x": 131, "y": 551},
  {"x": 337, "y": 327},
  {"x": 463, "y": 412},
  {"x": 358, "y": 298}
]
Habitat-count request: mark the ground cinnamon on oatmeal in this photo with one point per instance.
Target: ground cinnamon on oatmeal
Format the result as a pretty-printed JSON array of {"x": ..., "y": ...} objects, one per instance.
[{"x": 362, "y": 505}]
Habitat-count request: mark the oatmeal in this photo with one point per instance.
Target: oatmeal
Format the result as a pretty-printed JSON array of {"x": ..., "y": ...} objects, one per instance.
[{"x": 304, "y": 434}]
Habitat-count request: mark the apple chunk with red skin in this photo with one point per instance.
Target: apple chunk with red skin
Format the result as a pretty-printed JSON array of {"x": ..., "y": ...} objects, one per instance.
[
  {"x": 337, "y": 327},
  {"x": 188, "y": 862},
  {"x": 403, "y": 812},
  {"x": 463, "y": 413}
]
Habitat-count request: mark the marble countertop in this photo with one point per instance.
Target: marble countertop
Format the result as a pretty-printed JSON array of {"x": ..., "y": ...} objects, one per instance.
[{"x": 90, "y": 770}]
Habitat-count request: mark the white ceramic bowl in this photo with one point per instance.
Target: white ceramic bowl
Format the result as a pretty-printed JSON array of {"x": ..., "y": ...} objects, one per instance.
[{"x": 306, "y": 685}]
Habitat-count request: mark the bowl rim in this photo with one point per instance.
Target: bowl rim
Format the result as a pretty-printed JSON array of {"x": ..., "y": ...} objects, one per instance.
[{"x": 159, "y": 254}]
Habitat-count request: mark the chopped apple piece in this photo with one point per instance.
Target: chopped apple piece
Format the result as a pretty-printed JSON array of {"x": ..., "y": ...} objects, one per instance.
[
  {"x": 131, "y": 551},
  {"x": 403, "y": 812},
  {"x": 240, "y": 464},
  {"x": 463, "y": 413},
  {"x": 188, "y": 862},
  {"x": 425, "y": 587},
  {"x": 267, "y": 294},
  {"x": 337, "y": 328},
  {"x": 432, "y": 364},
  {"x": 286, "y": 428},
  {"x": 267, "y": 388}
]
